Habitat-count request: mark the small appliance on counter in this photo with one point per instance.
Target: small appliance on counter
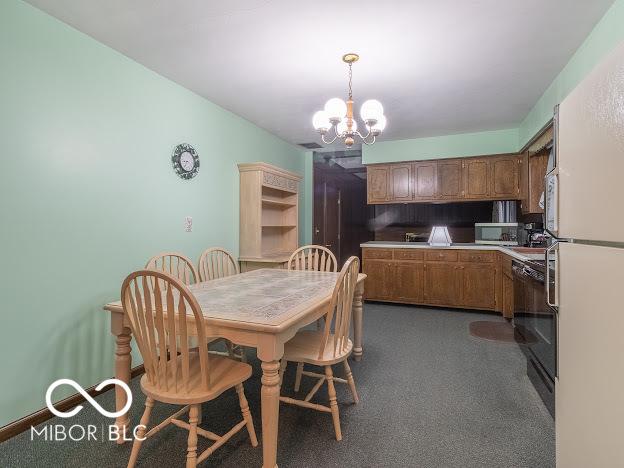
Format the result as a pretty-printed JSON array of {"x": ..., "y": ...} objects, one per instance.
[
  {"x": 416, "y": 236},
  {"x": 535, "y": 235},
  {"x": 440, "y": 237},
  {"x": 497, "y": 233}
]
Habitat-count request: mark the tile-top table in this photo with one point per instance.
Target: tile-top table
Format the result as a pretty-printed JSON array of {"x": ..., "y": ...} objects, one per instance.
[{"x": 262, "y": 309}]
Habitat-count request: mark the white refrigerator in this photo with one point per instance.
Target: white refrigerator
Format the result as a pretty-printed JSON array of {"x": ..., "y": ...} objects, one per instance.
[{"x": 585, "y": 214}]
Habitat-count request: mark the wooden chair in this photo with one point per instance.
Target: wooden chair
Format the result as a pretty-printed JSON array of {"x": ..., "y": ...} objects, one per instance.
[
  {"x": 217, "y": 263},
  {"x": 162, "y": 321},
  {"x": 182, "y": 268},
  {"x": 328, "y": 346},
  {"x": 313, "y": 257},
  {"x": 175, "y": 264}
]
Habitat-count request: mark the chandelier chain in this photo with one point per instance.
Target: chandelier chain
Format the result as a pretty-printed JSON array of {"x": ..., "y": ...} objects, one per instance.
[{"x": 350, "y": 80}]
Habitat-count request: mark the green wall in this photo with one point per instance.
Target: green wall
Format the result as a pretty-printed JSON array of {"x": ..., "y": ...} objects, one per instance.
[
  {"x": 448, "y": 146},
  {"x": 607, "y": 33},
  {"x": 604, "y": 37},
  {"x": 87, "y": 193}
]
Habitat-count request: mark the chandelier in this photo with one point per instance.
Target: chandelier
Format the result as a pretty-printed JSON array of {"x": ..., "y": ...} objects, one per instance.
[{"x": 337, "y": 116}]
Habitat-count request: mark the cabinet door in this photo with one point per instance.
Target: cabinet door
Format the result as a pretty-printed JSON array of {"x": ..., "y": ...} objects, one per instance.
[
  {"x": 478, "y": 285},
  {"x": 505, "y": 177},
  {"x": 377, "y": 184},
  {"x": 401, "y": 182},
  {"x": 523, "y": 179},
  {"x": 476, "y": 179},
  {"x": 425, "y": 180},
  {"x": 441, "y": 283},
  {"x": 379, "y": 283},
  {"x": 537, "y": 172},
  {"x": 408, "y": 284},
  {"x": 508, "y": 296},
  {"x": 450, "y": 180}
]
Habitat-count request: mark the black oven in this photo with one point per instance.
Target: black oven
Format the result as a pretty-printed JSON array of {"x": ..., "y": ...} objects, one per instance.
[{"x": 535, "y": 323}]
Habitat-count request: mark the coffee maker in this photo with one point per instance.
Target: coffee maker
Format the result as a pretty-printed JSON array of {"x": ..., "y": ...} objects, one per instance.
[{"x": 535, "y": 236}]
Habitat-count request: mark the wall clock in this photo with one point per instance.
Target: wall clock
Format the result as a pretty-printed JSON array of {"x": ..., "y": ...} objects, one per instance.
[{"x": 185, "y": 161}]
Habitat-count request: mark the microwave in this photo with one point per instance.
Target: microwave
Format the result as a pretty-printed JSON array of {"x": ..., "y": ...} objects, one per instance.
[{"x": 497, "y": 233}]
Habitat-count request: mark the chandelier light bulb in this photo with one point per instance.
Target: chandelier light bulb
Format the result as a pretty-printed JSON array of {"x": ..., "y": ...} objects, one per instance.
[
  {"x": 379, "y": 125},
  {"x": 336, "y": 109},
  {"x": 371, "y": 110},
  {"x": 320, "y": 121}
]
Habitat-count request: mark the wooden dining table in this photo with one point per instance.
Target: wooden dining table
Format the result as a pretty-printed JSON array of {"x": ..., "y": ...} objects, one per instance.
[{"x": 262, "y": 309}]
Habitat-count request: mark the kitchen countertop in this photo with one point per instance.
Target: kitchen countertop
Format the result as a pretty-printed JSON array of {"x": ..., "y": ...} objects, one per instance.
[{"x": 523, "y": 256}]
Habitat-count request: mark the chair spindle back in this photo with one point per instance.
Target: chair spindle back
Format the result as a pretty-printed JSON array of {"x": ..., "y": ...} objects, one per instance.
[
  {"x": 340, "y": 308},
  {"x": 313, "y": 257},
  {"x": 217, "y": 263},
  {"x": 176, "y": 264},
  {"x": 164, "y": 316}
]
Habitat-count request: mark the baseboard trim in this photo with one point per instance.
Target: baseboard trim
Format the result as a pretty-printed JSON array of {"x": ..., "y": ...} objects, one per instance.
[{"x": 17, "y": 427}]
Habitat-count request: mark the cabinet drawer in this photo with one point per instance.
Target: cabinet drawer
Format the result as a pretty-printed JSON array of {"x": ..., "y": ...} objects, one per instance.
[
  {"x": 408, "y": 254},
  {"x": 477, "y": 256},
  {"x": 441, "y": 255},
  {"x": 384, "y": 254}
]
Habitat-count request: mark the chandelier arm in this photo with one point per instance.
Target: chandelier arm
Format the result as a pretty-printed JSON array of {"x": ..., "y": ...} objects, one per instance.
[
  {"x": 364, "y": 137},
  {"x": 369, "y": 142},
  {"x": 330, "y": 141},
  {"x": 336, "y": 136}
]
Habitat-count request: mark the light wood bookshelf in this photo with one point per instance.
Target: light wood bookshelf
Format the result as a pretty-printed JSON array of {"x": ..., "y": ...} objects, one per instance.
[{"x": 269, "y": 215}]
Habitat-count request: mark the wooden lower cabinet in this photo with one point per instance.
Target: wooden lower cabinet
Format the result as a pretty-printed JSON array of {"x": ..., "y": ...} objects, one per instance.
[
  {"x": 442, "y": 284},
  {"x": 507, "y": 291},
  {"x": 508, "y": 297},
  {"x": 478, "y": 286},
  {"x": 408, "y": 281},
  {"x": 380, "y": 279},
  {"x": 470, "y": 279}
]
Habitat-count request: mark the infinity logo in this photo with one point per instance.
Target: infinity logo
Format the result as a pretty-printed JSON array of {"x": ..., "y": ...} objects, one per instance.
[{"x": 79, "y": 389}]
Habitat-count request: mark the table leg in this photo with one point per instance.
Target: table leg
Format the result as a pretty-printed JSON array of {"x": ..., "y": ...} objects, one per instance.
[
  {"x": 357, "y": 321},
  {"x": 123, "y": 362},
  {"x": 270, "y": 412}
]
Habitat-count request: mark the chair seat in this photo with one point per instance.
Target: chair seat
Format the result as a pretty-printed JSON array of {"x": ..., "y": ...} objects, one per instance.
[
  {"x": 225, "y": 373},
  {"x": 304, "y": 347}
]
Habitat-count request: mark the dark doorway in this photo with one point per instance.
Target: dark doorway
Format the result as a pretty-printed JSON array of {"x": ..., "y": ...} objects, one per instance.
[{"x": 340, "y": 209}]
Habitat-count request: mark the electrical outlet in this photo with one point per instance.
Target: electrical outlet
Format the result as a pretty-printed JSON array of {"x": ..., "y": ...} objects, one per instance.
[{"x": 188, "y": 223}]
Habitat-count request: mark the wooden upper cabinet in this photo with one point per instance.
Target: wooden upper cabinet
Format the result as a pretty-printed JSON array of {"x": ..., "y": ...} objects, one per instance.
[
  {"x": 450, "y": 184},
  {"x": 476, "y": 178},
  {"x": 401, "y": 182},
  {"x": 377, "y": 184},
  {"x": 524, "y": 182},
  {"x": 501, "y": 177},
  {"x": 537, "y": 171},
  {"x": 505, "y": 177},
  {"x": 425, "y": 176}
]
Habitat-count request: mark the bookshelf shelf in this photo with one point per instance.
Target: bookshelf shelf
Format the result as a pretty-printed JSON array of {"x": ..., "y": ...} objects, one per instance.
[{"x": 269, "y": 215}]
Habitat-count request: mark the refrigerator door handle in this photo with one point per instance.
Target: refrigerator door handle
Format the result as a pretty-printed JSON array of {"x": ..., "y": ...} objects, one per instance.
[
  {"x": 555, "y": 249},
  {"x": 551, "y": 202}
]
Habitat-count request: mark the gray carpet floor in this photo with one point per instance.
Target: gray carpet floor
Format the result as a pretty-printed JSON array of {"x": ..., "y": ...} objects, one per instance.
[{"x": 431, "y": 395}]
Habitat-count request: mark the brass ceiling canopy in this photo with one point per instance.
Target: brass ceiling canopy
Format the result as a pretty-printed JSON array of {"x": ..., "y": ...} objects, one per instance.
[{"x": 350, "y": 58}]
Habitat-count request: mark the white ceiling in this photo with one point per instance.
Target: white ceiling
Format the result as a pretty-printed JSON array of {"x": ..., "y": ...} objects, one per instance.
[{"x": 438, "y": 66}]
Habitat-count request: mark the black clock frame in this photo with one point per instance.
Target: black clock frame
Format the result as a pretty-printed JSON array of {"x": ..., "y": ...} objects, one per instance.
[{"x": 175, "y": 161}]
